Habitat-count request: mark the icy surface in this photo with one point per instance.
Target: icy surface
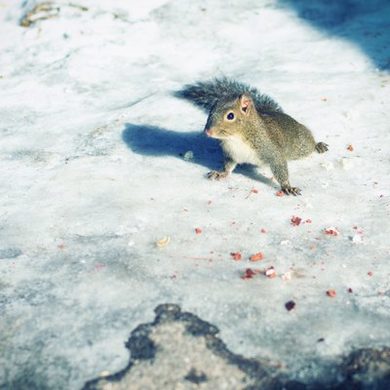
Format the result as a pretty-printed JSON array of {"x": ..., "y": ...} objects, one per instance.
[{"x": 99, "y": 161}]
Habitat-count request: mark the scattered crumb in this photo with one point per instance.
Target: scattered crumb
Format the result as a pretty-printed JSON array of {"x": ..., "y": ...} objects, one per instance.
[
  {"x": 370, "y": 273},
  {"x": 350, "y": 148},
  {"x": 252, "y": 191},
  {"x": 286, "y": 275},
  {"x": 270, "y": 272},
  {"x": 198, "y": 230},
  {"x": 289, "y": 305},
  {"x": 257, "y": 257},
  {"x": 331, "y": 293},
  {"x": 295, "y": 221},
  {"x": 279, "y": 193},
  {"x": 236, "y": 256},
  {"x": 350, "y": 290},
  {"x": 249, "y": 273},
  {"x": 331, "y": 231},
  {"x": 163, "y": 242},
  {"x": 262, "y": 230}
]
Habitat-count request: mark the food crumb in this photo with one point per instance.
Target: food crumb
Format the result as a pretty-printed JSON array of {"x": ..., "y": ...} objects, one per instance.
[
  {"x": 249, "y": 273},
  {"x": 236, "y": 256},
  {"x": 257, "y": 257},
  {"x": 350, "y": 148},
  {"x": 331, "y": 231},
  {"x": 270, "y": 272},
  {"x": 331, "y": 293},
  {"x": 279, "y": 193},
  {"x": 163, "y": 242},
  {"x": 295, "y": 221},
  {"x": 289, "y": 305},
  {"x": 198, "y": 230}
]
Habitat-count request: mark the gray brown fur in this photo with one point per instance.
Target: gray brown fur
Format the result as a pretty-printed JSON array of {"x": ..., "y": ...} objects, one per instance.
[
  {"x": 258, "y": 133},
  {"x": 206, "y": 94}
]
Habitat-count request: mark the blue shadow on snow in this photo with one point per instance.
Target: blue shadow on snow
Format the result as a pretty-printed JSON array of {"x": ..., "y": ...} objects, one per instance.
[
  {"x": 366, "y": 23},
  {"x": 155, "y": 141}
]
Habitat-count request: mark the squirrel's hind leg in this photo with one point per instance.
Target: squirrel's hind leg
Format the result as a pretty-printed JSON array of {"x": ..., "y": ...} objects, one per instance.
[
  {"x": 228, "y": 168},
  {"x": 280, "y": 171},
  {"x": 321, "y": 147}
]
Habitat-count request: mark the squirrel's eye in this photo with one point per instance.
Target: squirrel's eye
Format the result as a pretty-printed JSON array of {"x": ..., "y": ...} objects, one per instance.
[{"x": 230, "y": 116}]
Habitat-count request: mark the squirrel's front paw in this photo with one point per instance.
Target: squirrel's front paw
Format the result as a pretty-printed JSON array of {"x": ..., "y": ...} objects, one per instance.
[
  {"x": 322, "y": 147},
  {"x": 291, "y": 190},
  {"x": 215, "y": 175}
]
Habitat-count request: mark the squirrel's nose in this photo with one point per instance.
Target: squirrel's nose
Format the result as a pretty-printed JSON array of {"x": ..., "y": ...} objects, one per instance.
[{"x": 208, "y": 132}]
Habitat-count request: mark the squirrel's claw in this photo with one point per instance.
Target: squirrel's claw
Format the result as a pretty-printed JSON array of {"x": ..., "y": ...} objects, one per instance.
[
  {"x": 292, "y": 191},
  {"x": 322, "y": 147},
  {"x": 215, "y": 175}
]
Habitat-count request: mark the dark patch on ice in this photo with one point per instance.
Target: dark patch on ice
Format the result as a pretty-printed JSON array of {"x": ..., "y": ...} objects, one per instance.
[
  {"x": 140, "y": 345},
  {"x": 367, "y": 369},
  {"x": 9, "y": 253},
  {"x": 169, "y": 313},
  {"x": 362, "y": 369},
  {"x": 28, "y": 379},
  {"x": 196, "y": 377}
]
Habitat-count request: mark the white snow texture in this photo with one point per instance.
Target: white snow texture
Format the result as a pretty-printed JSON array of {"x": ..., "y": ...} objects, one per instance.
[{"x": 99, "y": 161}]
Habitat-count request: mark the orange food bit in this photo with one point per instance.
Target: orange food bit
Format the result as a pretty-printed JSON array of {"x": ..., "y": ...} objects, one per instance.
[
  {"x": 236, "y": 256},
  {"x": 331, "y": 293},
  {"x": 295, "y": 221},
  {"x": 331, "y": 231},
  {"x": 249, "y": 273},
  {"x": 270, "y": 272},
  {"x": 257, "y": 257}
]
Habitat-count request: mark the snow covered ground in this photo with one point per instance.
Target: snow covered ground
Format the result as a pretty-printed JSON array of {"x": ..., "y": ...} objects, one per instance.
[{"x": 92, "y": 174}]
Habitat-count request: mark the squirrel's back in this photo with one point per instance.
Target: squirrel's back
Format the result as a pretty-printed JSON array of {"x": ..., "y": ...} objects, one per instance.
[{"x": 205, "y": 94}]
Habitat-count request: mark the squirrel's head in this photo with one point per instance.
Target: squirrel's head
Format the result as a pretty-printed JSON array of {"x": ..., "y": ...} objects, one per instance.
[{"x": 227, "y": 119}]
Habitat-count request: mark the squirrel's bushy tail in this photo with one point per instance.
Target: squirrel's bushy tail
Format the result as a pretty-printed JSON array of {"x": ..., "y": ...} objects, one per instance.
[{"x": 205, "y": 94}]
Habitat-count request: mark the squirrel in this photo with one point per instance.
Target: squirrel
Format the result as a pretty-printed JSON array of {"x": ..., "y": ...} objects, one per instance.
[{"x": 252, "y": 128}]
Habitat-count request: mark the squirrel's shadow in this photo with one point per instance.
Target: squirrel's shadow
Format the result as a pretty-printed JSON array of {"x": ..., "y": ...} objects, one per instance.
[{"x": 156, "y": 141}]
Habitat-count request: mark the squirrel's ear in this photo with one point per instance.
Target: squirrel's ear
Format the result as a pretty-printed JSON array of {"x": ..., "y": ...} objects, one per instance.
[{"x": 245, "y": 103}]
